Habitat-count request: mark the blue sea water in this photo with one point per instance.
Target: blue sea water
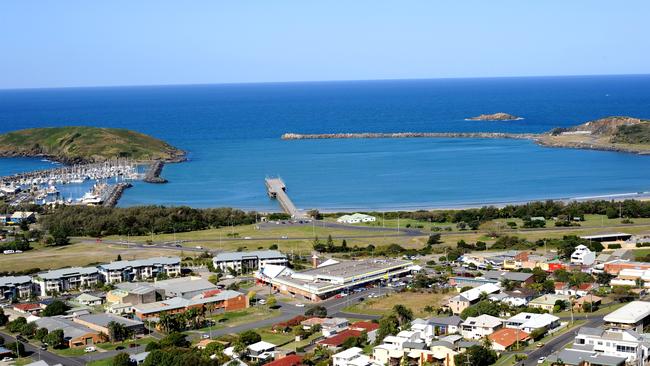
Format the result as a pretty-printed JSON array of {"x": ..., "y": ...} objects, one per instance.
[{"x": 232, "y": 134}]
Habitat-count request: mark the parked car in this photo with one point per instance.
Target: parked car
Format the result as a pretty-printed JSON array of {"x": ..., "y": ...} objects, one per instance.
[
  {"x": 205, "y": 336},
  {"x": 300, "y": 305},
  {"x": 90, "y": 349},
  {"x": 7, "y": 359},
  {"x": 541, "y": 359}
]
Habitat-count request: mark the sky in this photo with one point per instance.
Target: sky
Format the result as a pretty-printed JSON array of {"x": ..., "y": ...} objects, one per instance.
[{"x": 68, "y": 43}]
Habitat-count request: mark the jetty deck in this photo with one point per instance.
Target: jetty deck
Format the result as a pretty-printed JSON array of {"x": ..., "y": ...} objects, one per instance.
[{"x": 276, "y": 189}]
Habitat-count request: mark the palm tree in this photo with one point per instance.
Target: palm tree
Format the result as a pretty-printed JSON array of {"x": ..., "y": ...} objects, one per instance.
[{"x": 404, "y": 315}]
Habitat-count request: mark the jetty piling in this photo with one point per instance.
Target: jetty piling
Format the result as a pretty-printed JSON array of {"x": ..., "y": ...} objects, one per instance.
[{"x": 276, "y": 189}]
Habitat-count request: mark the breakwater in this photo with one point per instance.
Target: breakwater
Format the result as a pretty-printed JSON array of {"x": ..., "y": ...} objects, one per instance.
[
  {"x": 115, "y": 194},
  {"x": 395, "y": 135},
  {"x": 153, "y": 174}
]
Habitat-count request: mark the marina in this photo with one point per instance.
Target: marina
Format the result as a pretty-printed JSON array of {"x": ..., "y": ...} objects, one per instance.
[{"x": 63, "y": 184}]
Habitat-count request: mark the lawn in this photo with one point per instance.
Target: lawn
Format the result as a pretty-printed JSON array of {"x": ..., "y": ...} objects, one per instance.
[
  {"x": 235, "y": 318},
  {"x": 416, "y": 301},
  {"x": 111, "y": 346},
  {"x": 79, "y": 254},
  {"x": 275, "y": 338},
  {"x": 69, "y": 352},
  {"x": 104, "y": 362}
]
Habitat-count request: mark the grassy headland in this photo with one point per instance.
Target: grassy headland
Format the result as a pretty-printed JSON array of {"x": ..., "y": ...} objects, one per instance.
[{"x": 79, "y": 144}]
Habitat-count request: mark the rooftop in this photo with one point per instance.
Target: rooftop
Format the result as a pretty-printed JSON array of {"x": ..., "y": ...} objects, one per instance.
[
  {"x": 577, "y": 357},
  {"x": 70, "y": 328},
  {"x": 103, "y": 319},
  {"x": 549, "y": 299},
  {"x": 179, "y": 302},
  {"x": 67, "y": 272},
  {"x": 339, "y": 338},
  {"x": 14, "y": 280},
  {"x": 182, "y": 285},
  {"x": 483, "y": 320},
  {"x": 630, "y": 313},
  {"x": 237, "y": 256},
  {"x": 507, "y": 275},
  {"x": 121, "y": 265},
  {"x": 508, "y": 336}
]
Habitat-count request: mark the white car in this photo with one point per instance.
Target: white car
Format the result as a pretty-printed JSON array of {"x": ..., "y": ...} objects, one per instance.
[
  {"x": 205, "y": 336},
  {"x": 199, "y": 247},
  {"x": 541, "y": 359},
  {"x": 300, "y": 305},
  {"x": 90, "y": 349},
  {"x": 7, "y": 359},
  {"x": 284, "y": 237},
  {"x": 247, "y": 238}
]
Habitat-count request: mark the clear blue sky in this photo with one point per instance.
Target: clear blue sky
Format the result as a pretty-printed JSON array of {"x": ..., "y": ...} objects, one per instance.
[{"x": 59, "y": 43}]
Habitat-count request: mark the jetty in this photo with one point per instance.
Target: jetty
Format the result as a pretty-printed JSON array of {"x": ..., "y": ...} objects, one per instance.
[
  {"x": 276, "y": 189},
  {"x": 115, "y": 193},
  {"x": 153, "y": 174}
]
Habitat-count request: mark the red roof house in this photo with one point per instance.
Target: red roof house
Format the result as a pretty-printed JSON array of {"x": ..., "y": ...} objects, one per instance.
[
  {"x": 290, "y": 360},
  {"x": 337, "y": 340}
]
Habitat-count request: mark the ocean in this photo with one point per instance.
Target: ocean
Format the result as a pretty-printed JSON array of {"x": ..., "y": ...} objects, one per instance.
[{"x": 232, "y": 135}]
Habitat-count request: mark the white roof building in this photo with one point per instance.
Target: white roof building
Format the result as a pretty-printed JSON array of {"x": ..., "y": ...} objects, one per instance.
[
  {"x": 480, "y": 326},
  {"x": 631, "y": 316},
  {"x": 583, "y": 256},
  {"x": 528, "y": 322},
  {"x": 355, "y": 218}
]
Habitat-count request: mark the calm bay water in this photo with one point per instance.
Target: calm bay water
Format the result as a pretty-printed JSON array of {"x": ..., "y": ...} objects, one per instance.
[{"x": 232, "y": 135}]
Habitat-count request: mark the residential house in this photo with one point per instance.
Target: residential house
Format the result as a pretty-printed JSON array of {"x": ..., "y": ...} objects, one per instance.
[
  {"x": 634, "y": 316},
  {"x": 336, "y": 341},
  {"x": 575, "y": 357},
  {"x": 505, "y": 339},
  {"x": 583, "y": 256},
  {"x": 480, "y": 326},
  {"x": 288, "y": 360},
  {"x": 89, "y": 300},
  {"x": 547, "y": 302},
  {"x": 618, "y": 343},
  {"x": 530, "y": 322},
  {"x": 369, "y": 327},
  {"x": 352, "y": 357},
  {"x": 261, "y": 351},
  {"x": 465, "y": 299}
]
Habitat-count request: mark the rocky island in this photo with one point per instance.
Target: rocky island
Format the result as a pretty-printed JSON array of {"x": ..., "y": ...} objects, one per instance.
[
  {"x": 79, "y": 145},
  {"x": 495, "y": 117}
]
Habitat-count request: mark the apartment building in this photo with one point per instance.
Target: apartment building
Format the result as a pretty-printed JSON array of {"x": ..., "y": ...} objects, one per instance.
[
  {"x": 620, "y": 343},
  {"x": 140, "y": 269},
  {"x": 65, "y": 279},
  {"x": 15, "y": 287}
]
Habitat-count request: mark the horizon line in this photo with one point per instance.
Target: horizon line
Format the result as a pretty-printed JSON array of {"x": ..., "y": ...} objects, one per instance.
[{"x": 309, "y": 81}]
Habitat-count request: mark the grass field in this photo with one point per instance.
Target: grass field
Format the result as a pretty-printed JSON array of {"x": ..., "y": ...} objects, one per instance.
[
  {"x": 104, "y": 362},
  {"x": 416, "y": 301},
  {"x": 235, "y": 318},
  {"x": 275, "y": 338},
  {"x": 80, "y": 254}
]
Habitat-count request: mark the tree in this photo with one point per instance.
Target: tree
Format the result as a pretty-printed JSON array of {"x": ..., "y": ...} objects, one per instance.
[
  {"x": 28, "y": 329},
  {"x": 169, "y": 323},
  {"x": 54, "y": 339},
  {"x": 249, "y": 337},
  {"x": 56, "y": 307},
  {"x": 388, "y": 325},
  {"x": 121, "y": 359},
  {"x": 434, "y": 239},
  {"x": 271, "y": 301},
  {"x": 318, "y": 311},
  {"x": 119, "y": 258},
  {"x": 117, "y": 332},
  {"x": 215, "y": 350},
  {"x": 239, "y": 347},
  {"x": 482, "y": 307},
  {"x": 476, "y": 356},
  {"x": 213, "y": 279},
  {"x": 174, "y": 340},
  {"x": 403, "y": 314},
  {"x": 3, "y": 318},
  {"x": 538, "y": 334},
  {"x": 40, "y": 334},
  {"x": 18, "y": 348},
  {"x": 17, "y": 324}
]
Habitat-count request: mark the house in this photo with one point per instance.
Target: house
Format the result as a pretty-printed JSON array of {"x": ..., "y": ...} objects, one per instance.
[
  {"x": 618, "y": 343},
  {"x": 617, "y": 265},
  {"x": 465, "y": 299},
  {"x": 369, "y": 327},
  {"x": 75, "y": 335},
  {"x": 583, "y": 289},
  {"x": 127, "y": 271},
  {"x": 203, "y": 343},
  {"x": 331, "y": 326},
  {"x": 66, "y": 279},
  {"x": 5, "y": 352},
  {"x": 583, "y": 256},
  {"x": 520, "y": 278},
  {"x": 505, "y": 338},
  {"x": 575, "y": 357},
  {"x": 355, "y": 218},
  {"x": 19, "y": 287},
  {"x": 594, "y": 300},
  {"x": 530, "y": 322},
  {"x": 352, "y": 357},
  {"x": 89, "y": 300},
  {"x": 634, "y": 316},
  {"x": 185, "y": 287},
  {"x": 118, "y": 308},
  {"x": 547, "y": 302},
  {"x": 28, "y": 308},
  {"x": 246, "y": 262},
  {"x": 337, "y": 340},
  {"x": 289, "y": 360},
  {"x": 516, "y": 297},
  {"x": 438, "y": 325},
  {"x": 261, "y": 351},
  {"x": 416, "y": 353},
  {"x": 480, "y": 326},
  {"x": 100, "y": 322}
]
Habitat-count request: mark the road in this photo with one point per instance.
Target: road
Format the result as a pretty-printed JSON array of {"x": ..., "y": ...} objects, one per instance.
[{"x": 49, "y": 357}]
